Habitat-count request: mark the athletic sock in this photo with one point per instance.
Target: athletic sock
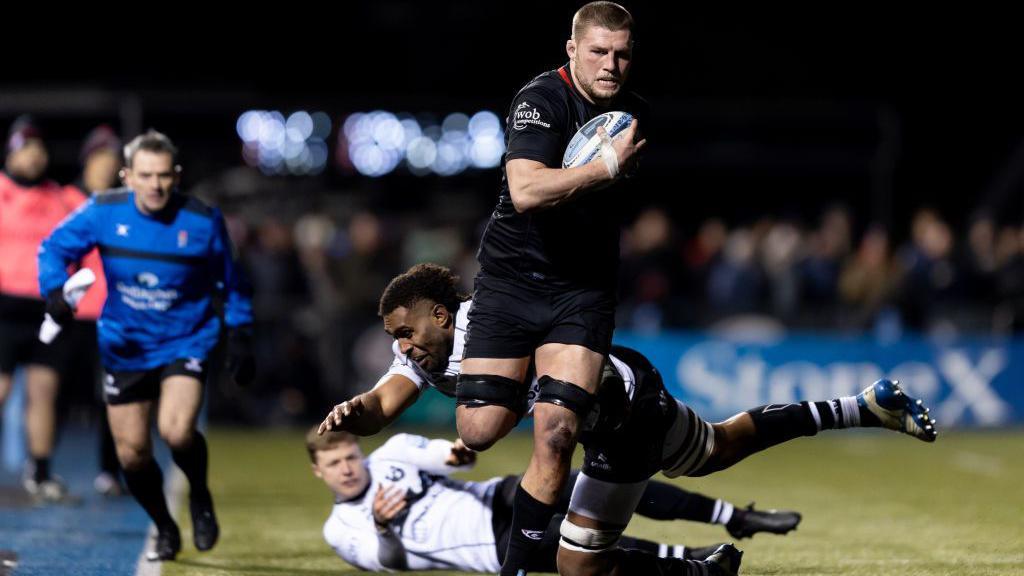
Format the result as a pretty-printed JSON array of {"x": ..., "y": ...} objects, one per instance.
[
  {"x": 659, "y": 549},
  {"x": 193, "y": 462},
  {"x": 147, "y": 486},
  {"x": 778, "y": 423},
  {"x": 640, "y": 562},
  {"x": 723, "y": 512},
  {"x": 40, "y": 469},
  {"x": 662, "y": 501},
  {"x": 530, "y": 518}
]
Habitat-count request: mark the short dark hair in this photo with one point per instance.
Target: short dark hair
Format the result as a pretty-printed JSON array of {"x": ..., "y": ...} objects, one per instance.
[
  {"x": 151, "y": 141},
  {"x": 316, "y": 442},
  {"x": 422, "y": 282},
  {"x": 604, "y": 14}
]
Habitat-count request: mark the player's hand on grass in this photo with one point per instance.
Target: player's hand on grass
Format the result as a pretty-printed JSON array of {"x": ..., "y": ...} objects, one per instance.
[
  {"x": 347, "y": 410},
  {"x": 387, "y": 504},
  {"x": 460, "y": 454}
]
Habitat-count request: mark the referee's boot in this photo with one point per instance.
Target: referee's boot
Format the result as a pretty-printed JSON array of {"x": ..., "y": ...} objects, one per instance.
[
  {"x": 725, "y": 561},
  {"x": 747, "y": 522},
  {"x": 168, "y": 544},
  {"x": 205, "y": 530},
  {"x": 896, "y": 410}
]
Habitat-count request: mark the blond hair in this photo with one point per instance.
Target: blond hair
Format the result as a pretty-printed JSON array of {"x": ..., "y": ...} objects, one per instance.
[{"x": 316, "y": 442}]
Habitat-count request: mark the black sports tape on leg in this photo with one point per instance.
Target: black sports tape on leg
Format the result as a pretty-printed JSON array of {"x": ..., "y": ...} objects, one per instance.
[
  {"x": 566, "y": 395},
  {"x": 663, "y": 501},
  {"x": 778, "y": 423}
]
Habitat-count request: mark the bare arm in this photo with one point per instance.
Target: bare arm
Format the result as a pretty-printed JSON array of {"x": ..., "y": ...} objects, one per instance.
[
  {"x": 534, "y": 186},
  {"x": 369, "y": 412}
]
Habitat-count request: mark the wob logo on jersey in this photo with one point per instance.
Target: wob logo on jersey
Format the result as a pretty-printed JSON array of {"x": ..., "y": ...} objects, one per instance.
[
  {"x": 182, "y": 238},
  {"x": 525, "y": 115}
]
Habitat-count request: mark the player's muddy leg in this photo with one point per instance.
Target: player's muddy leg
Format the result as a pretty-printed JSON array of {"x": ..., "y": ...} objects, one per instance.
[{"x": 561, "y": 405}]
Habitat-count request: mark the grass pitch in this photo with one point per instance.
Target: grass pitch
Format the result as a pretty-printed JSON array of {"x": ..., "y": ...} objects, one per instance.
[{"x": 874, "y": 503}]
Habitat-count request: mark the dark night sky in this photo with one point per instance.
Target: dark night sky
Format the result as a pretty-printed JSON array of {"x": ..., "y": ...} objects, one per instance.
[{"x": 772, "y": 105}]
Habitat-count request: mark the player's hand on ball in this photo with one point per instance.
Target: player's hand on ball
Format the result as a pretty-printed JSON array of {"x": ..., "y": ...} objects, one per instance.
[
  {"x": 460, "y": 454},
  {"x": 387, "y": 504},
  {"x": 626, "y": 150},
  {"x": 347, "y": 410}
]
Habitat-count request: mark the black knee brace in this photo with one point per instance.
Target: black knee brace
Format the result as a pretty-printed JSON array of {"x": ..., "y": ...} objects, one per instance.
[
  {"x": 486, "y": 390},
  {"x": 566, "y": 395}
]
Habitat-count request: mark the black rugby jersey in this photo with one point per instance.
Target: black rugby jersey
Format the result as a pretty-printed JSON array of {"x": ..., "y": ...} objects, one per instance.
[{"x": 577, "y": 243}]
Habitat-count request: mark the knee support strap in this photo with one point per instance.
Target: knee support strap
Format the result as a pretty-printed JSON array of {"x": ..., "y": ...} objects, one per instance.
[
  {"x": 488, "y": 390},
  {"x": 589, "y": 540},
  {"x": 566, "y": 395}
]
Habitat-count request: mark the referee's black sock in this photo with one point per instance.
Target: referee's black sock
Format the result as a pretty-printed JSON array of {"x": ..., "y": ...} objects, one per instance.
[
  {"x": 147, "y": 486},
  {"x": 662, "y": 501},
  {"x": 40, "y": 469},
  {"x": 193, "y": 462},
  {"x": 530, "y": 519}
]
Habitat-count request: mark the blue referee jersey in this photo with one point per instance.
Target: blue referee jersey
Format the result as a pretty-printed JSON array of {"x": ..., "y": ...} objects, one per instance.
[{"x": 163, "y": 271}]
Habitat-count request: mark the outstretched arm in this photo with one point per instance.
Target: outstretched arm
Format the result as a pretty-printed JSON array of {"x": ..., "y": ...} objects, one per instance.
[{"x": 368, "y": 413}]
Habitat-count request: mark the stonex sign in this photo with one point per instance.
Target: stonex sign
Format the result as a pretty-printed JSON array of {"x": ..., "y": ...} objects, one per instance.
[{"x": 967, "y": 382}]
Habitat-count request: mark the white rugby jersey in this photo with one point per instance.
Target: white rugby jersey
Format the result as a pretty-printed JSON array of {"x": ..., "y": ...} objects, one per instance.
[
  {"x": 411, "y": 370},
  {"x": 448, "y": 525}
]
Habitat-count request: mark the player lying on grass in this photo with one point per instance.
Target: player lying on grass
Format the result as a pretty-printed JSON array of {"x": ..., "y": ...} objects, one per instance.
[
  {"x": 397, "y": 509},
  {"x": 633, "y": 429}
]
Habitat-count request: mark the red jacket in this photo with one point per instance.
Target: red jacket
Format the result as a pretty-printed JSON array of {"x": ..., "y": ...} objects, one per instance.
[{"x": 27, "y": 215}]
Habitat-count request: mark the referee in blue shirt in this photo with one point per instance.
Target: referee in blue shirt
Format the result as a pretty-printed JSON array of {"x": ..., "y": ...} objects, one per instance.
[{"x": 166, "y": 257}]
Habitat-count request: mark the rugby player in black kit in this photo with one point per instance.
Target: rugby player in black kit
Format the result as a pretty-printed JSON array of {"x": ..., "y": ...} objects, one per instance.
[{"x": 548, "y": 266}]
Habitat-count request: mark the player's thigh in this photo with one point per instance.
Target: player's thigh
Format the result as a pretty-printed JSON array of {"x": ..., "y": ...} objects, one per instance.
[
  {"x": 180, "y": 399},
  {"x": 689, "y": 444},
  {"x": 570, "y": 363},
  {"x": 512, "y": 368},
  {"x": 129, "y": 426}
]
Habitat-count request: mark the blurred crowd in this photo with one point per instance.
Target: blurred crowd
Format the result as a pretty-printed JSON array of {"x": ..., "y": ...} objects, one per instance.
[{"x": 825, "y": 276}]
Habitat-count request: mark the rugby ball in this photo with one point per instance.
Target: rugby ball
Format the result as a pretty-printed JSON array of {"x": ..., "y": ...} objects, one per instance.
[{"x": 586, "y": 144}]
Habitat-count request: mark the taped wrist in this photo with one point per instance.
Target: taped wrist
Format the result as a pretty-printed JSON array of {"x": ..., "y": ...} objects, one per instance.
[{"x": 609, "y": 156}]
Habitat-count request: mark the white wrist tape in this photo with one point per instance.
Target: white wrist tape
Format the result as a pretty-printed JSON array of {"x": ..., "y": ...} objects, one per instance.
[{"x": 608, "y": 154}]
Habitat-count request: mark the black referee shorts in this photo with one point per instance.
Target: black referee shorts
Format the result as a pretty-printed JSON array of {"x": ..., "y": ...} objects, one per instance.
[
  {"x": 19, "y": 337},
  {"x": 511, "y": 319},
  {"x": 142, "y": 385}
]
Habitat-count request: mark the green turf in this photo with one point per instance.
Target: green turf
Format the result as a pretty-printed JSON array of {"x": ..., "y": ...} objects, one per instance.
[{"x": 874, "y": 503}]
